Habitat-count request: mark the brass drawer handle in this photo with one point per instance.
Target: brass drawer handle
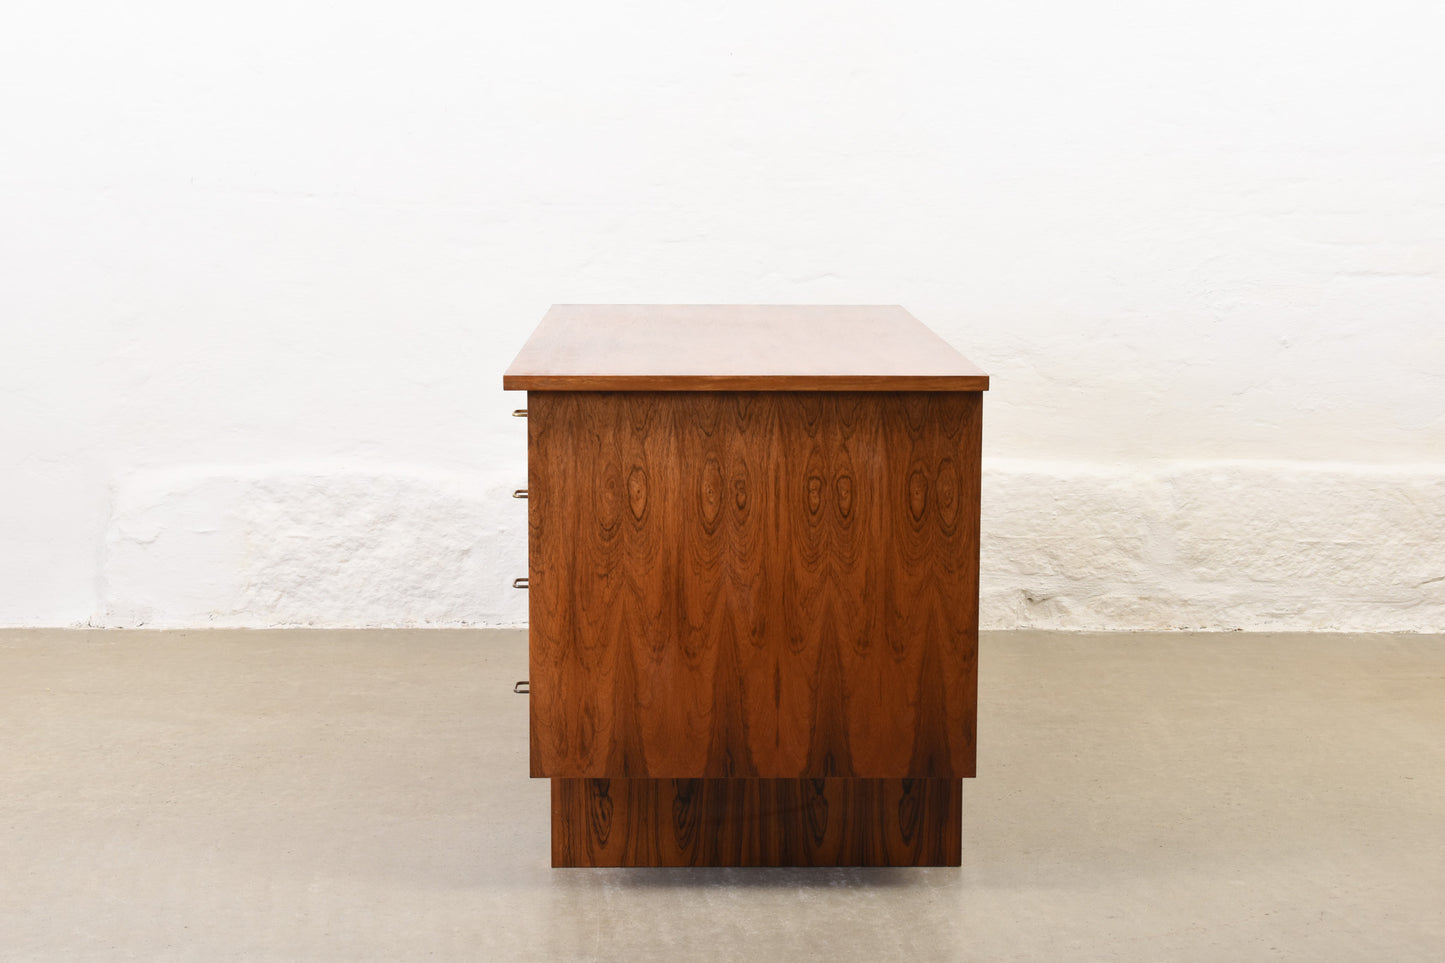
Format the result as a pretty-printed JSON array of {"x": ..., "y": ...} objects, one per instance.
[
  {"x": 520, "y": 493},
  {"x": 523, "y": 688},
  {"x": 519, "y": 583},
  {"x": 519, "y": 413}
]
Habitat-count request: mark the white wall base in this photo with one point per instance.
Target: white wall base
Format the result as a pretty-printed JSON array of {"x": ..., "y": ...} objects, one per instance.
[
  {"x": 272, "y": 546},
  {"x": 1066, "y": 545},
  {"x": 1214, "y": 545}
]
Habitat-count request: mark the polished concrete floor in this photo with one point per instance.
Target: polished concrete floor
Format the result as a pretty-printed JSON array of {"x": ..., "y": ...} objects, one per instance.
[{"x": 313, "y": 795}]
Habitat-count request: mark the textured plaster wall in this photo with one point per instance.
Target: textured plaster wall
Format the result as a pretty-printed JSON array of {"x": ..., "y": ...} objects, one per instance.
[
  {"x": 261, "y": 268},
  {"x": 1213, "y": 545}
]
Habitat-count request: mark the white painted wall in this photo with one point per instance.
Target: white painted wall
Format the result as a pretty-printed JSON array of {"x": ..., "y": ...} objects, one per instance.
[{"x": 261, "y": 266}]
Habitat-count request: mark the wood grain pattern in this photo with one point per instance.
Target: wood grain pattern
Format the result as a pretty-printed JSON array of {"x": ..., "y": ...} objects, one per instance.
[
  {"x": 620, "y": 347},
  {"x": 756, "y": 822},
  {"x": 739, "y": 584}
]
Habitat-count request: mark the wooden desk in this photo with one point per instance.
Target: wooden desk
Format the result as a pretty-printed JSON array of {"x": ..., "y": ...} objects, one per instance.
[{"x": 753, "y": 573}]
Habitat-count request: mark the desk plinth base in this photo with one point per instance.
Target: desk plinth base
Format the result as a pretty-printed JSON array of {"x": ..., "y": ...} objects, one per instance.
[{"x": 757, "y": 822}]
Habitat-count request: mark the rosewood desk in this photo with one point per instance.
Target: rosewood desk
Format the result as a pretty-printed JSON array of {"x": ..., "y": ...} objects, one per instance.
[{"x": 753, "y": 577}]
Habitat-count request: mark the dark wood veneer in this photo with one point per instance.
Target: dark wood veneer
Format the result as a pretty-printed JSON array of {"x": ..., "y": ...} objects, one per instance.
[
  {"x": 756, "y": 822},
  {"x": 744, "y": 584}
]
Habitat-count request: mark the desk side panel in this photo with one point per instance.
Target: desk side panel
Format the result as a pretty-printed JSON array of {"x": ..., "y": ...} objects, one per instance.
[{"x": 744, "y": 584}]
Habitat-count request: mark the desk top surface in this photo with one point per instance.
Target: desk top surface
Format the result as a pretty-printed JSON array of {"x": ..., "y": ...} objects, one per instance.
[{"x": 754, "y": 347}]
